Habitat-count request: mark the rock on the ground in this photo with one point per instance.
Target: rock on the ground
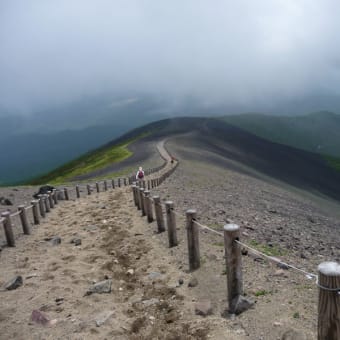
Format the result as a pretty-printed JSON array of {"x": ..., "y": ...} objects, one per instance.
[
  {"x": 193, "y": 282},
  {"x": 203, "y": 308},
  {"x": 293, "y": 334},
  {"x": 100, "y": 287},
  {"x": 103, "y": 317},
  {"x": 14, "y": 283}
]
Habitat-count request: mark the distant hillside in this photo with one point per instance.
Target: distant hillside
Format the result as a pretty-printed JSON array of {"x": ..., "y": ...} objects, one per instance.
[
  {"x": 317, "y": 132},
  {"x": 301, "y": 169}
]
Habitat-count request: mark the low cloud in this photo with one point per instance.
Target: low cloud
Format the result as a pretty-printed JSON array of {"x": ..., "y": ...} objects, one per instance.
[{"x": 245, "y": 54}]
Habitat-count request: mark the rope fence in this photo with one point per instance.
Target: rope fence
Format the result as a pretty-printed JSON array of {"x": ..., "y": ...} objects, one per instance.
[{"x": 327, "y": 279}]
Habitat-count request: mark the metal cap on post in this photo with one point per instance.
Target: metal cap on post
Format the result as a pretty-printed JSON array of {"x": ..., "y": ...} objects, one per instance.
[
  {"x": 236, "y": 302},
  {"x": 193, "y": 240},
  {"x": 171, "y": 223}
]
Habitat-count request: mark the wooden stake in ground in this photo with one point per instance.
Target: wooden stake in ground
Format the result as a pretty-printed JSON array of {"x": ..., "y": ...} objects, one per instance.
[
  {"x": 23, "y": 218},
  {"x": 8, "y": 229},
  {"x": 193, "y": 240},
  {"x": 236, "y": 302},
  {"x": 159, "y": 214},
  {"x": 171, "y": 223},
  {"x": 329, "y": 301}
]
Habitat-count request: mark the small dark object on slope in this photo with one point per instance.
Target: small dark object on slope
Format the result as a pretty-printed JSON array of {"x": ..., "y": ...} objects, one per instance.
[{"x": 43, "y": 190}]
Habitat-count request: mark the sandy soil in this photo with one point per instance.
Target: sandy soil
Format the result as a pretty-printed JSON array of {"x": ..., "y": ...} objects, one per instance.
[{"x": 150, "y": 297}]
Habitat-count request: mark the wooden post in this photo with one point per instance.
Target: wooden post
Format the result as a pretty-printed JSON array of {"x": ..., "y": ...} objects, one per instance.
[
  {"x": 141, "y": 193},
  {"x": 113, "y": 183},
  {"x": 159, "y": 214},
  {"x": 66, "y": 194},
  {"x": 36, "y": 219},
  {"x": 77, "y": 191},
  {"x": 105, "y": 185},
  {"x": 23, "y": 218},
  {"x": 88, "y": 189},
  {"x": 148, "y": 206},
  {"x": 149, "y": 186},
  {"x": 47, "y": 203},
  {"x": 139, "y": 200},
  {"x": 97, "y": 186},
  {"x": 135, "y": 197},
  {"x": 124, "y": 181},
  {"x": 329, "y": 301},
  {"x": 54, "y": 196},
  {"x": 193, "y": 240},
  {"x": 41, "y": 206},
  {"x": 50, "y": 199},
  {"x": 119, "y": 182},
  {"x": 8, "y": 229},
  {"x": 171, "y": 223},
  {"x": 233, "y": 265}
]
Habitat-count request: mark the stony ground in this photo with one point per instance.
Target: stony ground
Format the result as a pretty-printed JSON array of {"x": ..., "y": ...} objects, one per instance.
[{"x": 150, "y": 297}]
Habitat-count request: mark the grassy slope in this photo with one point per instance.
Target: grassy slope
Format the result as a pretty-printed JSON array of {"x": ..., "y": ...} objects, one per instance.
[
  {"x": 85, "y": 164},
  {"x": 114, "y": 151},
  {"x": 317, "y": 132}
]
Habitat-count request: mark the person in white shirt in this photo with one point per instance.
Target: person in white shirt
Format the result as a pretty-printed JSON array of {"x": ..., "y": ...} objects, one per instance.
[{"x": 140, "y": 174}]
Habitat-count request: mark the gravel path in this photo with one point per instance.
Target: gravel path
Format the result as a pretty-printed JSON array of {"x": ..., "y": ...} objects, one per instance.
[{"x": 298, "y": 227}]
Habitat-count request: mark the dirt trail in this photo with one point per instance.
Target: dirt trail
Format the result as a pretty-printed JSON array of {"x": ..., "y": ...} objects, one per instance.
[
  {"x": 99, "y": 238},
  {"x": 150, "y": 297}
]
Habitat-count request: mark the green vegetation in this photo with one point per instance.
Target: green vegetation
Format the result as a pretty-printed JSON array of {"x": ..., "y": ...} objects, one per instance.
[
  {"x": 296, "y": 315},
  {"x": 262, "y": 292},
  {"x": 317, "y": 132},
  {"x": 333, "y": 162},
  {"x": 268, "y": 250},
  {"x": 87, "y": 163}
]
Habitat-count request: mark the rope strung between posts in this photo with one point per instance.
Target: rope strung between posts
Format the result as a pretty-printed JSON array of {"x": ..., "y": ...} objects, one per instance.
[
  {"x": 207, "y": 228},
  {"x": 308, "y": 275},
  {"x": 15, "y": 214},
  {"x": 273, "y": 259},
  {"x": 29, "y": 207}
]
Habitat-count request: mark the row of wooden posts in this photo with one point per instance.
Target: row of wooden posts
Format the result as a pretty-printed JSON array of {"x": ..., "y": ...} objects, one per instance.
[
  {"x": 46, "y": 202},
  {"x": 329, "y": 279}
]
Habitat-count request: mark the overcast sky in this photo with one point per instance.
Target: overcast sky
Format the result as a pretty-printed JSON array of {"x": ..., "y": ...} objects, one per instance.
[{"x": 219, "y": 51}]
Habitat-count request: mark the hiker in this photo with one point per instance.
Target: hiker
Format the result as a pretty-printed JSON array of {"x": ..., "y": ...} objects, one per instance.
[{"x": 140, "y": 174}]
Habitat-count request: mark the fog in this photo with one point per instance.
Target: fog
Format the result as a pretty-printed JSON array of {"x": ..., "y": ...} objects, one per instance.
[{"x": 247, "y": 54}]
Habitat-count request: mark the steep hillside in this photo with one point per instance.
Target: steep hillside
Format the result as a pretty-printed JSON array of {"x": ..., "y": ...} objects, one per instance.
[
  {"x": 238, "y": 148},
  {"x": 316, "y": 132}
]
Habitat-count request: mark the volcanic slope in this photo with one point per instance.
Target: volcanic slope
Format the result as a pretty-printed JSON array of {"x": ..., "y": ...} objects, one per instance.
[{"x": 243, "y": 152}]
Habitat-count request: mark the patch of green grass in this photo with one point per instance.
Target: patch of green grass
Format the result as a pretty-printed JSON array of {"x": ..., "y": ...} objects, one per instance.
[
  {"x": 268, "y": 250},
  {"x": 218, "y": 244},
  {"x": 296, "y": 315},
  {"x": 87, "y": 163},
  {"x": 334, "y": 162},
  {"x": 262, "y": 292}
]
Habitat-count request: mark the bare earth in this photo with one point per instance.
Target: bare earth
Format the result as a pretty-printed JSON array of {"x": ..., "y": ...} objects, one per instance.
[{"x": 150, "y": 297}]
